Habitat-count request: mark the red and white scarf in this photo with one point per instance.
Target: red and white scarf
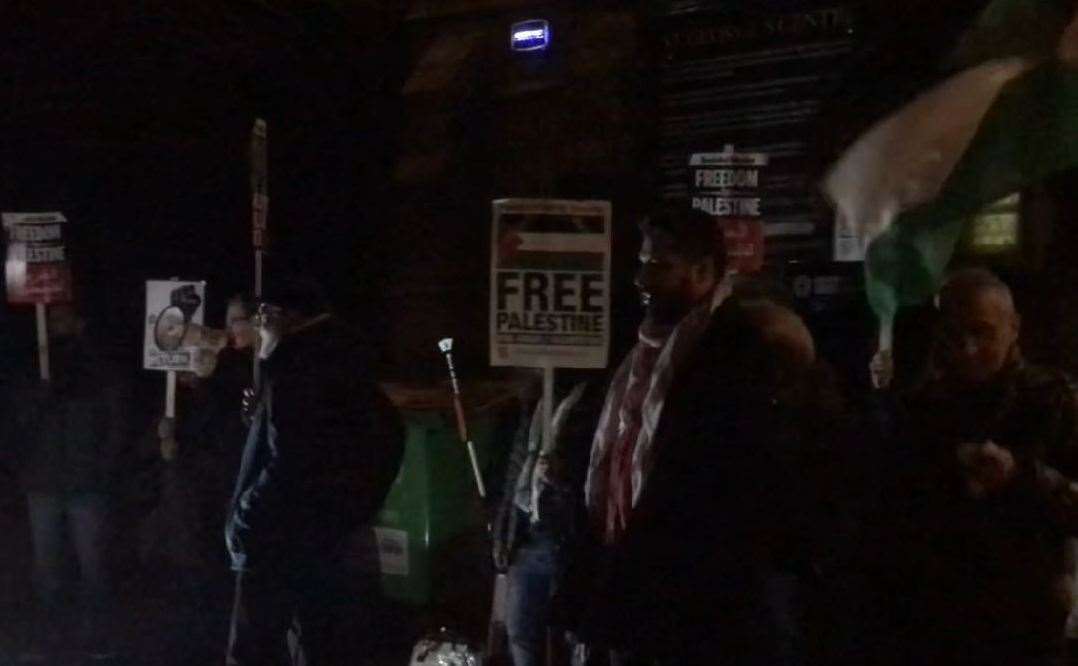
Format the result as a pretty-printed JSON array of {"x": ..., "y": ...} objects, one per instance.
[{"x": 622, "y": 451}]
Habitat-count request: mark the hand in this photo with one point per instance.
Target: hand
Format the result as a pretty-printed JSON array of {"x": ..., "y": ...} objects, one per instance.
[
  {"x": 882, "y": 369},
  {"x": 166, "y": 428},
  {"x": 169, "y": 448},
  {"x": 550, "y": 470},
  {"x": 988, "y": 467},
  {"x": 247, "y": 410}
]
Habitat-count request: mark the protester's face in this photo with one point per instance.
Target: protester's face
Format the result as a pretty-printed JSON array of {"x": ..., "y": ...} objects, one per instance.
[
  {"x": 241, "y": 330},
  {"x": 979, "y": 335},
  {"x": 271, "y": 324},
  {"x": 669, "y": 283}
]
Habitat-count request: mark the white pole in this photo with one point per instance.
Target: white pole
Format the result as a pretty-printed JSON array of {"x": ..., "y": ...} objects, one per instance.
[
  {"x": 42, "y": 341},
  {"x": 886, "y": 338},
  {"x": 882, "y": 366},
  {"x": 548, "y": 405},
  {"x": 170, "y": 383},
  {"x": 170, "y": 394}
]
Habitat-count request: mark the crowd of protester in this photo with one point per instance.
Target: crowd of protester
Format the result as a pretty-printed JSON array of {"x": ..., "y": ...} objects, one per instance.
[
  {"x": 734, "y": 505},
  {"x": 717, "y": 497}
]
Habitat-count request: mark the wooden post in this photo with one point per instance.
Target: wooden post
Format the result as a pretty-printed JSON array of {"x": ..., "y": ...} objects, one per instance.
[{"x": 42, "y": 341}]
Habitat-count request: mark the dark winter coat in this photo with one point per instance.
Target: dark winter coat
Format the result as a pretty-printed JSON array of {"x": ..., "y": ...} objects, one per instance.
[
  {"x": 561, "y": 507},
  {"x": 987, "y": 578},
  {"x": 70, "y": 429},
  {"x": 323, "y": 449},
  {"x": 711, "y": 556}
]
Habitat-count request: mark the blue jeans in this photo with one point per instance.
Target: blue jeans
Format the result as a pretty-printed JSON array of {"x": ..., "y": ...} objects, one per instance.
[
  {"x": 82, "y": 517},
  {"x": 531, "y": 575}
]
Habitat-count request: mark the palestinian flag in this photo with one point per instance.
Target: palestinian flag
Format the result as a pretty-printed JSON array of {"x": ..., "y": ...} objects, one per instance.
[{"x": 905, "y": 189}]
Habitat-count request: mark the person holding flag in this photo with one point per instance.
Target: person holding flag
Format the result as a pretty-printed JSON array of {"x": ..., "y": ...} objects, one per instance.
[
  {"x": 972, "y": 548},
  {"x": 1005, "y": 119}
]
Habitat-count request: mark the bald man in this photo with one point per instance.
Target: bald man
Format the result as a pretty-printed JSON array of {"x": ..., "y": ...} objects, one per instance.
[{"x": 984, "y": 502}]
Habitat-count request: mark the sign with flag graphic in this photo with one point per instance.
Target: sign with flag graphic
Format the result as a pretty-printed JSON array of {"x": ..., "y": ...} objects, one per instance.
[
  {"x": 36, "y": 269},
  {"x": 550, "y": 283}
]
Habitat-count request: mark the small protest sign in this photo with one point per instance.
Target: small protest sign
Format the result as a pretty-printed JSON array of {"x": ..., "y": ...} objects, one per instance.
[
  {"x": 726, "y": 185},
  {"x": 36, "y": 270},
  {"x": 174, "y": 316}
]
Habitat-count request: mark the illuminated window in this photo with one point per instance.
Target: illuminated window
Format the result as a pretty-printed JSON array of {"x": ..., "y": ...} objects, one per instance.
[{"x": 995, "y": 229}]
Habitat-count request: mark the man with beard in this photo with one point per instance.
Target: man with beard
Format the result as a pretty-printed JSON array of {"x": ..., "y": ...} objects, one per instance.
[
  {"x": 983, "y": 501},
  {"x": 323, "y": 449},
  {"x": 692, "y": 492}
]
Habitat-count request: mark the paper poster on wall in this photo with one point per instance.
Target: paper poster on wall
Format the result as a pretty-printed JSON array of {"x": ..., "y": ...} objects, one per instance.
[
  {"x": 392, "y": 551},
  {"x": 550, "y": 283},
  {"x": 173, "y": 325},
  {"x": 727, "y": 185},
  {"x": 36, "y": 269}
]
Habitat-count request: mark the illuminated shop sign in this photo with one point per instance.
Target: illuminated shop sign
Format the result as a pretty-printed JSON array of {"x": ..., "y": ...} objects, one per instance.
[{"x": 531, "y": 35}]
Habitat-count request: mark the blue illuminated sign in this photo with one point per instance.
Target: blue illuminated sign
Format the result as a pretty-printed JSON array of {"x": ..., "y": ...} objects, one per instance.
[{"x": 529, "y": 35}]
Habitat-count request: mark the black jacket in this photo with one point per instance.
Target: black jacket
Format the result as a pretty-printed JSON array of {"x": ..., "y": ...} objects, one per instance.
[
  {"x": 323, "y": 450},
  {"x": 70, "y": 430},
  {"x": 983, "y": 579},
  {"x": 719, "y": 535}
]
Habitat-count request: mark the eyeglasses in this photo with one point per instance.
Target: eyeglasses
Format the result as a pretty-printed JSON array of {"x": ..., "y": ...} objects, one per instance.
[{"x": 267, "y": 312}]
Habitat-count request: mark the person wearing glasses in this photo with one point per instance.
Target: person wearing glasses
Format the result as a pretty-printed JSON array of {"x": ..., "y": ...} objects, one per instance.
[{"x": 323, "y": 448}]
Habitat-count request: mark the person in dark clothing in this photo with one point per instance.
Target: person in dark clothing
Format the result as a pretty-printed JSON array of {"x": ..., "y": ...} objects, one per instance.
[
  {"x": 71, "y": 433},
  {"x": 539, "y": 510},
  {"x": 324, "y": 446},
  {"x": 201, "y": 452},
  {"x": 847, "y": 625},
  {"x": 982, "y": 502},
  {"x": 694, "y": 489}
]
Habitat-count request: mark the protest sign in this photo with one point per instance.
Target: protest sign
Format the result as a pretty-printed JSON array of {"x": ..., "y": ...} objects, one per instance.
[
  {"x": 36, "y": 269},
  {"x": 550, "y": 283},
  {"x": 174, "y": 316},
  {"x": 726, "y": 185}
]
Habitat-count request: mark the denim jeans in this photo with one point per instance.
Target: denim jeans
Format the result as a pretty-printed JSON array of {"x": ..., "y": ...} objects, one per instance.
[
  {"x": 82, "y": 518},
  {"x": 290, "y": 615},
  {"x": 531, "y": 574}
]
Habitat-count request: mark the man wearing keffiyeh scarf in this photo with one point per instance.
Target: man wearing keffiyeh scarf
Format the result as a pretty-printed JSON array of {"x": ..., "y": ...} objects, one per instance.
[{"x": 688, "y": 496}]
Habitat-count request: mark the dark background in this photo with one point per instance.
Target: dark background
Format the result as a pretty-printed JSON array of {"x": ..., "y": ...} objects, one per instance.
[{"x": 392, "y": 125}]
